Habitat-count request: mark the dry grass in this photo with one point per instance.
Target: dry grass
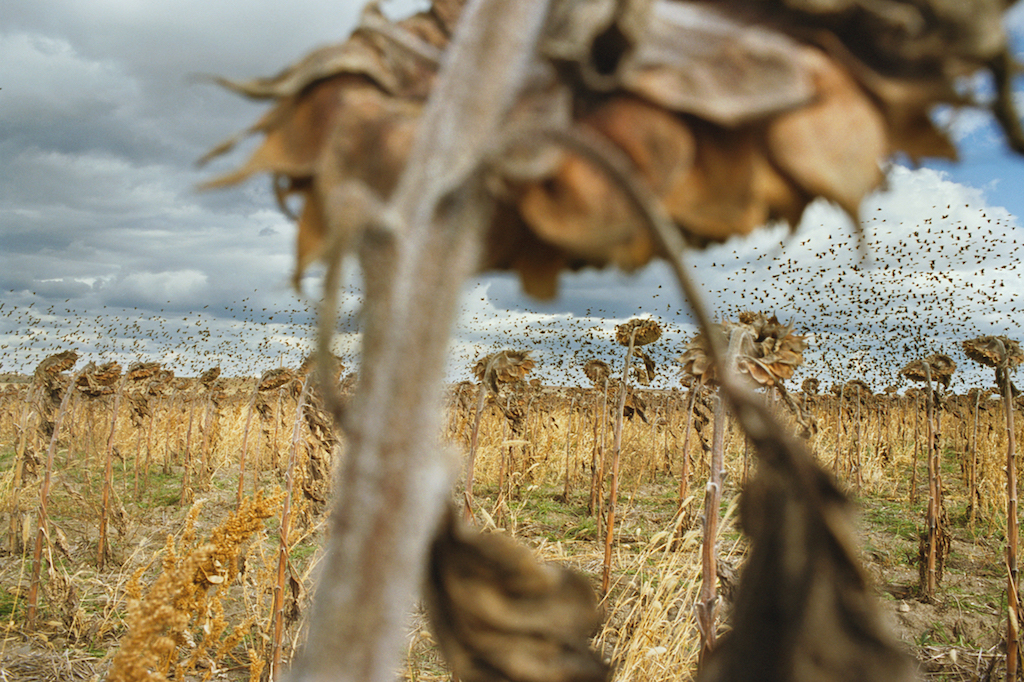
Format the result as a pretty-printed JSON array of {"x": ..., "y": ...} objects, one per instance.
[{"x": 189, "y": 589}]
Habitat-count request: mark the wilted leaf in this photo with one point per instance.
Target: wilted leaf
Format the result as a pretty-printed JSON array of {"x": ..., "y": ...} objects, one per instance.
[
  {"x": 695, "y": 59},
  {"x": 499, "y": 614},
  {"x": 804, "y": 611}
]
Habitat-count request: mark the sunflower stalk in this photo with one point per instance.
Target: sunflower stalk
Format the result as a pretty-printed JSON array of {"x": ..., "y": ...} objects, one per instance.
[
  {"x": 1012, "y": 531},
  {"x": 707, "y": 607},
  {"x": 108, "y": 475},
  {"x": 606, "y": 568},
  {"x": 392, "y": 484},
  {"x": 277, "y": 641},
  {"x": 932, "y": 520},
  {"x": 474, "y": 439},
  {"x": 42, "y": 531},
  {"x": 251, "y": 409},
  {"x": 684, "y": 470}
]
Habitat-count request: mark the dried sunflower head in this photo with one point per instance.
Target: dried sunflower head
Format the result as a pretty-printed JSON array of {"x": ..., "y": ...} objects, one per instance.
[
  {"x": 857, "y": 388},
  {"x": 161, "y": 380},
  {"x": 309, "y": 363},
  {"x": 503, "y": 367},
  {"x": 726, "y": 111},
  {"x": 137, "y": 371},
  {"x": 994, "y": 351},
  {"x": 774, "y": 351},
  {"x": 642, "y": 331},
  {"x": 769, "y": 352},
  {"x": 274, "y": 378},
  {"x": 941, "y": 365},
  {"x": 96, "y": 380},
  {"x": 52, "y": 365},
  {"x": 209, "y": 376},
  {"x": 696, "y": 365},
  {"x": 597, "y": 371},
  {"x": 810, "y": 386}
]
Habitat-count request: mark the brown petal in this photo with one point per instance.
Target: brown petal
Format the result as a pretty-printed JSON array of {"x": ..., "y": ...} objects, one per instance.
[
  {"x": 295, "y": 130},
  {"x": 816, "y": 145},
  {"x": 723, "y": 193}
]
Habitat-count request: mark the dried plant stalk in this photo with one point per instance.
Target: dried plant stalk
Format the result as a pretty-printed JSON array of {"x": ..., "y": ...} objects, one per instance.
[
  {"x": 684, "y": 470},
  {"x": 392, "y": 483},
  {"x": 108, "y": 476},
  {"x": 277, "y": 637},
  {"x": 613, "y": 494},
  {"x": 1003, "y": 354},
  {"x": 44, "y": 501},
  {"x": 1013, "y": 601}
]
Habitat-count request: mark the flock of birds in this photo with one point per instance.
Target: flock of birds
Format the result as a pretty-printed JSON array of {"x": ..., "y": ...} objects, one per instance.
[{"x": 870, "y": 303}]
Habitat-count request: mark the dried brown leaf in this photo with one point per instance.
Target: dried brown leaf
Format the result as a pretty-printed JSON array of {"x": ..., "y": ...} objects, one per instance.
[
  {"x": 804, "y": 610},
  {"x": 499, "y": 614}
]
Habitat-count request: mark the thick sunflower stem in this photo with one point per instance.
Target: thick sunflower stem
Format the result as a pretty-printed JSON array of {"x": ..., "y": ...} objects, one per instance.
[
  {"x": 707, "y": 606},
  {"x": 392, "y": 486}
]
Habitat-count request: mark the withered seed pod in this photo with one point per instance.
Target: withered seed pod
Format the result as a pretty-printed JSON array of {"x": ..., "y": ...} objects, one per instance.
[
  {"x": 993, "y": 351},
  {"x": 597, "y": 371},
  {"x": 275, "y": 378},
  {"x": 941, "y": 365},
  {"x": 647, "y": 332}
]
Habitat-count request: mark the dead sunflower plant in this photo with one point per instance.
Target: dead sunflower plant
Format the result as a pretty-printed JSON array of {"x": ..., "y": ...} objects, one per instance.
[
  {"x": 1004, "y": 355},
  {"x": 605, "y": 132}
]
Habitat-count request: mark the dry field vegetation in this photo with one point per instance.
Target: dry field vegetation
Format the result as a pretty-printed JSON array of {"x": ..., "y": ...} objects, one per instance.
[{"x": 186, "y": 581}]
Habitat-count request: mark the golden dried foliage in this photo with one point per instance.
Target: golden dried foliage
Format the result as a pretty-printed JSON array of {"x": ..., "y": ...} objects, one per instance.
[{"x": 180, "y": 600}]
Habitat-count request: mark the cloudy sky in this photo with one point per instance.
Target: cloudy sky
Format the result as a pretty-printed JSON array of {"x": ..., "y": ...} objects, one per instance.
[{"x": 106, "y": 246}]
